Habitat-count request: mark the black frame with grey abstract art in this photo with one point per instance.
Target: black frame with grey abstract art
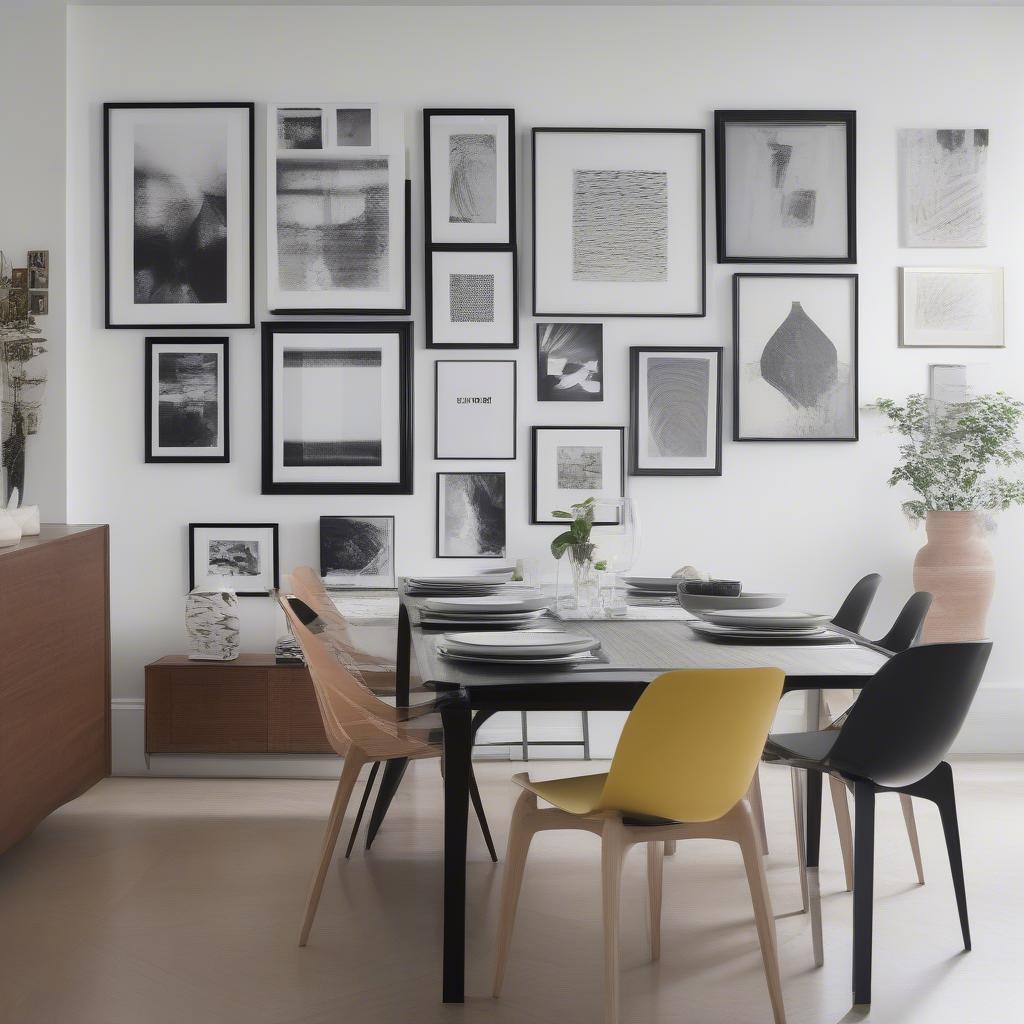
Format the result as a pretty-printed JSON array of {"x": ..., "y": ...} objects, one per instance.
[
  {"x": 589, "y": 441},
  {"x": 357, "y": 552},
  {"x": 488, "y": 503},
  {"x": 578, "y": 351},
  {"x": 224, "y": 272},
  {"x": 269, "y": 533},
  {"x": 682, "y": 424},
  {"x": 163, "y": 399}
]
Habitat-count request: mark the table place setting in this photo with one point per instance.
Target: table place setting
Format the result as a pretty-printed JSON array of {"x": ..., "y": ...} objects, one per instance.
[
  {"x": 491, "y": 581},
  {"x": 764, "y": 626},
  {"x": 509, "y": 609},
  {"x": 523, "y": 648}
]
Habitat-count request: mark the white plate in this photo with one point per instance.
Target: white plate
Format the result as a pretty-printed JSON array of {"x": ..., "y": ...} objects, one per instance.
[
  {"x": 469, "y": 613},
  {"x": 583, "y": 658},
  {"x": 461, "y": 581},
  {"x": 753, "y": 619},
  {"x": 699, "y": 603},
  {"x": 527, "y": 643},
  {"x": 486, "y": 605},
  {"x": 652, "y": 582},
  {"x": 783, "y": 634}
]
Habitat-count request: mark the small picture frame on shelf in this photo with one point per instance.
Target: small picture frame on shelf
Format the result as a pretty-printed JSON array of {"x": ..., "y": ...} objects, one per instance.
[
  {"x": 573, "y": 463},
  {"x": 242, "y": 557},
  {"x": 471, "y": 515},
  {"x": 475, "y": 409},
  {"x": 471, "y": 299},
  {"x": 357, "y": 552},
  {"x": 39, "y": 303}
]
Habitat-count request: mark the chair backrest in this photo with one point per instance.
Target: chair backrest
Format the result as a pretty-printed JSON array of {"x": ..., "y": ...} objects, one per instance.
[
  {"x": 690, "y": 745},
  {"x": 853, "y": 611},
  {"x": 907, "y": 627},
  {"x": 907, "y": 717}
]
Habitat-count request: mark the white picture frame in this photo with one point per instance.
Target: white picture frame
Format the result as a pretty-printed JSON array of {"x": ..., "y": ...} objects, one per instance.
[
  {"x": 951, "y": 307},
  {"x": 475, "y": 409}
]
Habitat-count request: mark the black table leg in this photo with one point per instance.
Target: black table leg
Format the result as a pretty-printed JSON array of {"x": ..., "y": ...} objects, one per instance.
[
  {"x": 458, "y": 750},
  {"x": 403, "y": 657},
  {"x": 813, "y": 837},
  {"x": 863, "y": 889}
]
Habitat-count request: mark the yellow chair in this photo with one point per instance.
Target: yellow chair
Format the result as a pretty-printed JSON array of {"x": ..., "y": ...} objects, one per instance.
[{"x": 684, "y": 761}]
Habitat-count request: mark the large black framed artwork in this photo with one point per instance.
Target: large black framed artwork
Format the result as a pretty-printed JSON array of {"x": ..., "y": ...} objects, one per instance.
[
  {"x": 242, "y": 557},
  {"x": 675, "y": 403},
  {"x": 571, "y": 464},
  {"x": 475, "y": 409},
  {"x": 186, "y": 400},
  {"x": 618, "y": 222},
  {"x": 357, "y": 551},
  {"x": 786, "y": 186},
  {"x": 471, "y": 518},
  {"x": 178, "y": 214},
  {"x": 795, "y": 357},
  {"x": 472, "y": 298},
  {"x": 338, "y": 216},
  {"x": 337, "y": 407}
]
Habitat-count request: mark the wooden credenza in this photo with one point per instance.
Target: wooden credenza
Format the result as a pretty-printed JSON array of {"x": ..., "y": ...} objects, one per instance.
[{"x": 54, "y": 673}]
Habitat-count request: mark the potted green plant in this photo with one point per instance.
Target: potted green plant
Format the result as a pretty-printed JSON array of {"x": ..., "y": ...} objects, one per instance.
[
  {"x": 951, "y": 457},
  {"x": 576, "y": 542}
]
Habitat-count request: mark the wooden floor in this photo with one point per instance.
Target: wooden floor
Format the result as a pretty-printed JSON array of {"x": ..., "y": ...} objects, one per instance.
[{"x": 168, "y": 902}]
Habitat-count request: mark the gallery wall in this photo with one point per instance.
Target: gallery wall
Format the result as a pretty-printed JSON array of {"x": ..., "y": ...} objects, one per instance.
[{"x": 805, "y": 518}]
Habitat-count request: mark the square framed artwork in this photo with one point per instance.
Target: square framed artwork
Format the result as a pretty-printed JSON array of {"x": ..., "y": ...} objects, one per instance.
[
  {"x": 240, "y": 556},
  {"x": 570, "y": 363},
  {"x": 469, "y": 176},
  {"x": 338, "y": 211},
  {"x": 953, "y": 383},
  {"x": 571, "y": 464},
  {"x": 795, "y": 357},
  {"x": 475, "y": 409},
  {"x": 358, "y": 551},
  {"x": 951, "y": 307},
  {"x": 675, "y": 403},
  {"x": 337, "y": 407},
  {"x": 471, "y": 517},
  {"x": 186, "y": 400},
  {"x": 178, "y": 211},
  {"x": 618, "y": 222},
  {"x": 785, "y": 185},
  {"x": 471, "y": 299}
]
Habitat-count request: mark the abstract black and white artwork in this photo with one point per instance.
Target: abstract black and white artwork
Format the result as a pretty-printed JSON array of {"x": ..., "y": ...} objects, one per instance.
[
  {"x": 337, "y": 210},
  {"x": 795, "y": 352},
  {"x": 785, "y": 186},
  {"x": 571, "y": 464},
  {"x": 469, "y": 165},
  {"x": 570, "y": 363},
  {"x": 675, "y": 411},
  {"x": 943, "y": 187},
  {"x": 357, "y": 551},
  {"x": 186, "y": 400},
  {"x": 242, "y": 557},
  {"x": 475, "y": 409},
  {"x": 337, "y": 404},
  {"x": 618, "y": 222},
  {"x": 471, "y": 515},
  {"x": 471, "y": 299},
  {"x": 179, "y": 214},
  {"x": 959, "y": 307}
]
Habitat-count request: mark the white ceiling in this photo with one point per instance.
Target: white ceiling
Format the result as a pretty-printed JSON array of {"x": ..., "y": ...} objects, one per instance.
[{"x": 533, "y": 3}]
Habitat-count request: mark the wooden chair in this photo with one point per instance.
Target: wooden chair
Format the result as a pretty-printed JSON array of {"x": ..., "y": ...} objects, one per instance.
[{"x": 680, "y": 771}]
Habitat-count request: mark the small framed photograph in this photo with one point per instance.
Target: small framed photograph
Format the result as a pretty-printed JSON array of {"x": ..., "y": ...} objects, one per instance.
[
  {"x": 951, "y": 307},
  {"x": 39, "y": 259},
  {"x": 570, "y": 363},
  {"x": 675, "y": 401},
  {"x": 471, "y": 299},
  {"x": 469, "y": 159},
  {"x": 471, "y": 515},
  {"x": 618, "y": 222},
  {"x": 475, "y": 409},
  {"x": 953, "y": 383},
  {"x": 19, "y": 279},
  {"x": 39, "y": 279},
  {"x": 186, "y": 400},
  {"x": 240, "y": 556},
  {"x": 571, "y": 464},
  {"x": 358, "y": 551},
  {"x": 39, "y": 303},
  {"x": 785, "y": 182},
  {"x": 337, "y": 407},
  {"x": 795, "y": 357}
]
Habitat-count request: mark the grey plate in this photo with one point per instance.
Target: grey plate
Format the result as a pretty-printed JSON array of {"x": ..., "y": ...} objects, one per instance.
[{"x": 698, "y": 603}]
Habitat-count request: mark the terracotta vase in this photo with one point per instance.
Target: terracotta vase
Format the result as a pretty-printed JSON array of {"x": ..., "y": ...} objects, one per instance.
[{"x": 955, "y": 566}]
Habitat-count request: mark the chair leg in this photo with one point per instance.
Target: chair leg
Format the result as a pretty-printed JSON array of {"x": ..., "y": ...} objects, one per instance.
[
  {"x": 801, "y": 852},
  {"x": 841, "y": 807},
  {"x": 670, "y": 847},
  {"x": 394, "y": 770},
  {"x": 863, "y": 889},
  {"x": 474, "y": 795},
  {"x": 907, "y": 804},
  {"x": 349, "y": 774},
  {"x": 613, "y": 852},
  {"x": 655, "y": 873},
  {"x": 362, "y": 807},
  {"x": 520, "y": 833},
  {"x": 757, "y": 806}
]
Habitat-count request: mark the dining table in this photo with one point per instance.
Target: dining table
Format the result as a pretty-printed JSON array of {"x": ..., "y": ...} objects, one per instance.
[{"x": 634, "y": 649}]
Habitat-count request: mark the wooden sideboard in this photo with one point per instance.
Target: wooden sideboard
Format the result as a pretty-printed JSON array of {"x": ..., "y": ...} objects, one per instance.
[
  {"x": 54, "y": 673},
  {"x": 248, "y": 706}
]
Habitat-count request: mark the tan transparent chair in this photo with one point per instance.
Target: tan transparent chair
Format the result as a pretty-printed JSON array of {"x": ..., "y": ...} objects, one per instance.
[{"x": 360, "y": 727}]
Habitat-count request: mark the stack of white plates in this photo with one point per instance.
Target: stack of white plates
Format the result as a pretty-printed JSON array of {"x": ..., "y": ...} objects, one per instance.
[
  {"x": 479, "y": 583},
  {"x": 700, "y": 604},
  {"x": 651, "y": 586},
  {"x": 527, "y": 647},
  {"x": 505, "y": 610},
  {"x": 756, "y": 624}
]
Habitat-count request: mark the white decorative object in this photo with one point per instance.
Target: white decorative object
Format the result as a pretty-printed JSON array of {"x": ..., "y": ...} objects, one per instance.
[
  {"x": 689, "y": 572},
  {"x": 211, "y": 618},
  {"x": 26, "y": 516},
  {"x": 10, "y": 531}
]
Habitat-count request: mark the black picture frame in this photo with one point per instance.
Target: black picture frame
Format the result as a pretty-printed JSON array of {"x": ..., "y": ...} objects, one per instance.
[
  {"x": 404, "y": 404},
  {"x": 107, "y": 320},
  {"x": 355, "y": 586},
  {"x": 848, "y": 118},
  {"x": 737, "y": 361},
  {"x": 535, "y": 518},
  {"x": 515, "y": 411},
  {"x": 437, "y": 514},
  {"x": 273, "y": 527},
  {"x": 701, "y": 134},
  {"x": 187, "y": 343},
  {"x": 634, "y": 411}
]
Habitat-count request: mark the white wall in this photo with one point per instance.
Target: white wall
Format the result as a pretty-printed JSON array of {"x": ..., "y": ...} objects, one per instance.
[{"x": 809, "y": 519}]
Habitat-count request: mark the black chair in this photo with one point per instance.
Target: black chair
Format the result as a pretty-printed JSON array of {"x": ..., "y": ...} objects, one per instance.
[
  {"x": 854, "y": 610},
  {"x": 894, "y": 740}
]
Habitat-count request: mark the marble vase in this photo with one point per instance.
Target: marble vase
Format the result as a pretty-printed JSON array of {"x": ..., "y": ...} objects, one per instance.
[{"x": 211, "y": 619}]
